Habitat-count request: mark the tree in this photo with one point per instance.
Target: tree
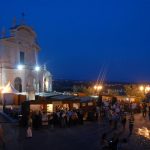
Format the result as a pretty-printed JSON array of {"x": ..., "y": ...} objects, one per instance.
[{"x": 133, "y": 91}]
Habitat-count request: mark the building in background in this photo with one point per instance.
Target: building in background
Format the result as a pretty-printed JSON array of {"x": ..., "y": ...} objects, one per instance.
[{"x": 19, "y": 61}]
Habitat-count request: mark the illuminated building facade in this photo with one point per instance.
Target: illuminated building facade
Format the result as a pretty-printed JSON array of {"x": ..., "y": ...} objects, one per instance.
[{"x": 18, "y": 61}]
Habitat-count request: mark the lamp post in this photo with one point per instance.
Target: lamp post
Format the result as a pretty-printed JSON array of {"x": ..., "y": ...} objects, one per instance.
[
  {"x": 147, "y": 89},
  {"x": 144, "y": 89},
  {"x": 98, "y": 88}
]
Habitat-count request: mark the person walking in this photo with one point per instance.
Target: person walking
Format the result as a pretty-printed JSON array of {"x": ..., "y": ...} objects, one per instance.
[
  {"x": 144, "y": 110},
  {"x": 115, "y": 118},
  {"x": 104, "y": 142},
  {"x": 29, "y": 128},
  {"x": 131, "y": 124},
  {"x": 114, "y": 142},
  {"x": 123, "y": 121},
  {"x": 110, "y": 118}
]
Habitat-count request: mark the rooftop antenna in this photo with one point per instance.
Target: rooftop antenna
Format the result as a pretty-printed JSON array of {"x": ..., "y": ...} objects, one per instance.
[{"x": 23, "y": 20}]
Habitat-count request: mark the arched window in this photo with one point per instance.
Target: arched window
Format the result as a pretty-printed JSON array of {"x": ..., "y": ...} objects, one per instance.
[
  {"x": 37, "y": 85},
  {"x": 18, "y": 84},
  {"x": 46, "y": 84}
]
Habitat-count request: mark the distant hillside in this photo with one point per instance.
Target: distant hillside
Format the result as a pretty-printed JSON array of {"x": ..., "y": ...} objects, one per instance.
[
  {"x": 62, "y": 85},
  {"x": 67, "y": 85}
]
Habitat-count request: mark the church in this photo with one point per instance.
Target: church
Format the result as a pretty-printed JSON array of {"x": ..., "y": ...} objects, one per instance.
[{"x": 19, "y": 61}]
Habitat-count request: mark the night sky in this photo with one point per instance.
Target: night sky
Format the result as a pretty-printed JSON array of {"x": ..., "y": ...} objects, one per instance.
[{"x": 81, "y": 37}]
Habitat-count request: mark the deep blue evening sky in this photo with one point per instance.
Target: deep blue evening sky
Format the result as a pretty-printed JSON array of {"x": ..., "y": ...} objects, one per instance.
[{"x": 78, "y": 37}]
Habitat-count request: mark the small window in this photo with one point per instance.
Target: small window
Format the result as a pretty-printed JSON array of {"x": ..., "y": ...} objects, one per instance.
[
  {"x": 90, "y": 104},
  {"x": 21, "y": 57},
  {"x": 83, "y": 104}
]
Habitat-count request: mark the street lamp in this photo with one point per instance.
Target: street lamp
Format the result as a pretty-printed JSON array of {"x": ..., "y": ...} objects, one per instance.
[
  {"x": 144, "y": 89},
  {"x": 98, "y": 88},
  {"x": 95, "y": 87},
  {"x": 37, "y": 68},
  {"x": 20, "y": 67},
  {"x": 141, "y": 88},
  {"x": 147, "y": 89}
]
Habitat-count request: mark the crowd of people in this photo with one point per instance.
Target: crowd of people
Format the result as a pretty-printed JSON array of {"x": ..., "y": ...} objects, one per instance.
[
  {"x": 61, "y": 118},
  {"x": 145, "y": 110},
  {"x": 66, "y": 118},
  {"x": 116, "y": 113},
  {"x": 119, "y": 116}
]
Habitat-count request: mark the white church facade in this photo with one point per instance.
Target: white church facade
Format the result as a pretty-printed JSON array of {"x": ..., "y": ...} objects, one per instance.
[{"x": 19, "y": 61}]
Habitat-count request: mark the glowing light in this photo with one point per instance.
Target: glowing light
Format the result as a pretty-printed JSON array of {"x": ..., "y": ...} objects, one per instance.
[
  {"x": 95, "y": 87},
  {"x": 8, "y": 89},
  {"x": 50, "y": 107},
  {"x": 132, "y": 100},
  {"x": 144, "y": 132},
  {"x": 5, "y": 90},
  {"x": 37, "y": 68},
  {"x": 141, "y": 88},
  {"x": 20, "y": 67},
  {"x": 1, "y": 89},
  {"x": 94, "y": 96},
  {"x": 98, "y": 87},
  {"x": 147, "y": 89},
  {"x": 46, "y": 84}
]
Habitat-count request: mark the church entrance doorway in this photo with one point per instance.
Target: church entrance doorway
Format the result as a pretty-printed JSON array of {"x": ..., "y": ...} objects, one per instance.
[{"x": 18, "y": 84}]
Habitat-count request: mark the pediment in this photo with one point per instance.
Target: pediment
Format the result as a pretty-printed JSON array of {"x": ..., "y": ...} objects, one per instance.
[{"x": 26, "y": 29}]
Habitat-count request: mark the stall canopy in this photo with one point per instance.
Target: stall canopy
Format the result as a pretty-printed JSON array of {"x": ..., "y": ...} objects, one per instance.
[
  {"x": 8, "y": 94},
  {"x": 9, "y": 89},
  {"x": 1, "y": 89}
]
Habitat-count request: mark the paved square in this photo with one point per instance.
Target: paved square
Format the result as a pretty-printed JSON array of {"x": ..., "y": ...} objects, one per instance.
[{"x": 82, "y": 137}]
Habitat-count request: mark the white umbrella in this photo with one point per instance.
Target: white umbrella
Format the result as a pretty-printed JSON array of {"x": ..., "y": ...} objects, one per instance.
[
  {"x": 9, "y": 89},
  {"x": 9, "y": 93}
]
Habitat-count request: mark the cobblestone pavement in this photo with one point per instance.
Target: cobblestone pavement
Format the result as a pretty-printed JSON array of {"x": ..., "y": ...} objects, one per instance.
[{"x": 74, "y": 138}]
